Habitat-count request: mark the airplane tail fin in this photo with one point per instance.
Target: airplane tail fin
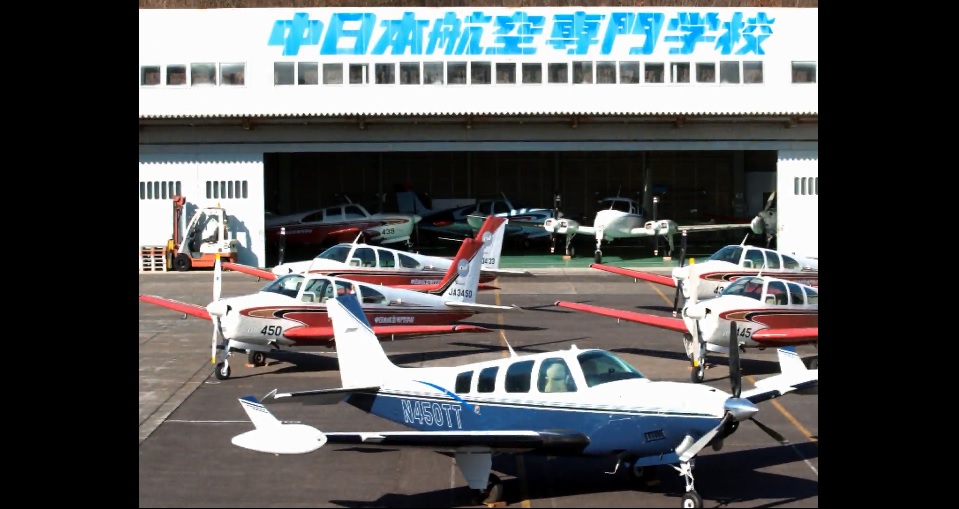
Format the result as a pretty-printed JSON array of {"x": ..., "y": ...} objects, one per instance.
[
  {"x": 789, "y": 361},
  {"x": 461, "y": 282},
  {"x": 492, "y": 244},
  {"x": 273, "y": 436},
  {"x": 363, "y": 363}
]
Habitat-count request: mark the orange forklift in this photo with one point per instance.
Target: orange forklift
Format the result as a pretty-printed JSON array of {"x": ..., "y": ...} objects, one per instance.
[{"x": 206, "y": 234}]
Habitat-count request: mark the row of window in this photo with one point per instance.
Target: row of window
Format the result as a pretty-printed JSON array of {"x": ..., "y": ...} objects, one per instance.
[
  {"x": 475, "y": 73},
  {"x": 806, "y": 186},
  {"x": 553, "y": 375},
  {"x": 157, "y": 190},
  {"x": 216, "y": 189}
]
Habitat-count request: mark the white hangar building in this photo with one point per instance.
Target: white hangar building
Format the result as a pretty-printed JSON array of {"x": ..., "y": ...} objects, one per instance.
[{"x": 280, "y": 110}]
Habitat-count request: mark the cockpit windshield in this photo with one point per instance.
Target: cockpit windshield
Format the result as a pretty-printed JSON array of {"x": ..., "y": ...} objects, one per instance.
[
  {"x": 600, "y": 366},
  {"x": 288, "y": 285},
  {"x": 751, "y": 287},
  {"x": 620, "y": 205},
  {"x": 337, "y": 253},
  {"x": 730, "y": 254}
]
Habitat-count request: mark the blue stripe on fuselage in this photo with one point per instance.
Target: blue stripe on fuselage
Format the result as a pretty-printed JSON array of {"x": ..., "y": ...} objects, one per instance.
[{"x": 609, "y": 430}]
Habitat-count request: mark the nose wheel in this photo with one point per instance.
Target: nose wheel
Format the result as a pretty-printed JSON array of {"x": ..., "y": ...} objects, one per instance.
[
  {"x": 222, "y": 371},
  {"x": 493, "y": 492}
]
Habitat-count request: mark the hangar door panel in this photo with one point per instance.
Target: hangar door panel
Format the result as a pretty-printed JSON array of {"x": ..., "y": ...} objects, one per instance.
[{"x": 797, "y": 202}]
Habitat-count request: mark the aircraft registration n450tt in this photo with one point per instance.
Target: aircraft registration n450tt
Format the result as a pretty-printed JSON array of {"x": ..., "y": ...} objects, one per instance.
[
  {"x": 292, "y": 310},
  {"x": 578, "y": 403}
]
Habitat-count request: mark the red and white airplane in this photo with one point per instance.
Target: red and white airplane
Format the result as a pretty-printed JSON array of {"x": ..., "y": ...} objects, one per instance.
[
  {"x": 768, "y": 312},
  {"x": 393, "y": 267},
  {"x": 291, "y": 310},
  {"x": 725, "y": 266}
]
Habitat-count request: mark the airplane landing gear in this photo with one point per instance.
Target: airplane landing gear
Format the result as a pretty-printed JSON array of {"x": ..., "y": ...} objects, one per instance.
[
  {"x": 598, "y": 256},
  {"x": 493, "y": 492},
  {"x": 698, "y": 373},
  {"x": 256, "y": 358},
  {"x": 570, "y": 250},
  {"x": 691, "y": 499},
  {"x": 222, "y": 370}
]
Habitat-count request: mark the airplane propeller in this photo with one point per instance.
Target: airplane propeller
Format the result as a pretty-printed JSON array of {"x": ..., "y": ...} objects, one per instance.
[
  {"x": 694, "y": 311},
  {"x": 758, "y": 224},
  {"x": 682, "y": 261},
  {"x": 736, "y": 381}
]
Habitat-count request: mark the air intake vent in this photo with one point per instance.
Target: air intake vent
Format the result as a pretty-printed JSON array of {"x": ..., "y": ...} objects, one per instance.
[{"x": 652, "y": 436}]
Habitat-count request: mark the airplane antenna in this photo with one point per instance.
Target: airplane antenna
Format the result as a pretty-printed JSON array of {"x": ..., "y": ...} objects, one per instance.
[
  {"x": 512, "y": 353},
  {"x": 760, "y": 273},
  {"x": 743, "y": 243},
  {"x": 357, "y": 239}
]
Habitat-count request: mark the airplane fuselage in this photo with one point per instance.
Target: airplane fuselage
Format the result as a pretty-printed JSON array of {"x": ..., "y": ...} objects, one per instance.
[
  {"x": 261, "y": 319},
  {"x": 750, "y": 317},
  {"x": 617, "y": 224},
  {"x": 714, "y": 276},
  {"x": 651, "y": 418}
]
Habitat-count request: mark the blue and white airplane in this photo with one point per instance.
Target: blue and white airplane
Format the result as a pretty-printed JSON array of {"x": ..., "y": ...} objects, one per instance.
[{"x": 563, "y": 403}]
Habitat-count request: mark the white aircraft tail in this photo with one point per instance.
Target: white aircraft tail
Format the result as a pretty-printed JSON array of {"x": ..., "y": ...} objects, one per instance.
[
  {"x": 789, "y": 361},
  {"x": 273, "y": 436},
  {"x": 363, "y": 363},
  {"x": 461, "y": 282},
  {"x": 492, "y": 249}
]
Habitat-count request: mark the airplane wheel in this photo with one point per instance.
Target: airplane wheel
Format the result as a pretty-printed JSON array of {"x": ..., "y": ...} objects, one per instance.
[
  {"x": 692, "y": 500},
  {"x": 493, "y": 492},
  {"x": 698, "y": 374},
  {"x": 182, "y": 262},
  {"x": 598, "y": 256},
  {"x": 256, "y": 358},
  {"x": 814, "y": 363},
  {"x": 222, "y": 371}
]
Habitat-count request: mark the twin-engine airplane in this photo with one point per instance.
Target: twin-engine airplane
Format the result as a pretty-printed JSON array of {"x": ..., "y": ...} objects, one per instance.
[
  {"x": 725, "y": 266},
  {"x": 767, "y": 311},
  {"x": 563, "y": 403},
  {"x": 392, "y": 267},
  {"x": 292, "y": 310},
  {"x": 624, "y": 218}
]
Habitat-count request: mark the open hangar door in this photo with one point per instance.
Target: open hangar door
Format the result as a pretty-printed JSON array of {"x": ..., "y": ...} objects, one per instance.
[{"x": 692, "y": 186}]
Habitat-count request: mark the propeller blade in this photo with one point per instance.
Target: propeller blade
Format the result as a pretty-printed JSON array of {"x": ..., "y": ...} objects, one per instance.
[
  {"x": 769, "y": 201},
  {"x": 735, "y": 374},
  {"x": 769, "y": 431}
]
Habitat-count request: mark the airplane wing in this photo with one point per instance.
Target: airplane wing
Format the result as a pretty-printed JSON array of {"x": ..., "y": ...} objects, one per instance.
[
  {"x": 183, "y": 307},
  {"x": 567, "y": 227},
  {"x": 786, "y": 337},
  {"x": 708, "y": 227},
  {"x": 482, "y": 308},
  {"x": 252, "y": 271},
  {"x": 663, "y": 322},
  {"x": 276, "y": 437},
  {"x": 646, "y": 276},
  {"x": 383, "y": 331}
]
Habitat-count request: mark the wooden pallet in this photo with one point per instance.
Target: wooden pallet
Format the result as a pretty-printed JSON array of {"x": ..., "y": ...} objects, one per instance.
[{"x": 152, "y": 258}]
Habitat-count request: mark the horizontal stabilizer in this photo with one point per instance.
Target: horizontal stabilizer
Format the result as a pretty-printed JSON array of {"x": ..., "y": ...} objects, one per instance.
[
  {"x": 252, "y": 271},
  {"x": 794, "y": 377},
  {"x": 272, "y": 436},
  {"x": 544, "y": 442},
  {"x": 320, "y": 396},
  {"x": 482, "y": 308},
  {"x": 183, "y": 307},
  {"x": 645, "y": 276},
  {"x": 663, "y": 322}
]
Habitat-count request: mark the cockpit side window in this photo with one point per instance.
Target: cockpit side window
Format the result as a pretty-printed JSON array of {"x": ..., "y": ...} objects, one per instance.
[
  {"x": 353, "y": 212},
  {"x": 751, "y": 287},
  {"x": 365, "y": 255},
  {"x": 288, "y": 285},
  {"x": 776, "y": 293},
  {"x": 600, "y": 367},
  {"x": 518, "y": 376},
  {"x": 730, "y": 254},
  {"x": 336, "y": 253},
  {"x": 754, "y": 259},
  {"x": 795, "y": 293},
  {"x": 812, "y": 296},
  {"x": 554, "y": 376}
]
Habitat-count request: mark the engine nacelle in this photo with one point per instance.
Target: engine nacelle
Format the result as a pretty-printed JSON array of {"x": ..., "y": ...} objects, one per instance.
[
  {"x": 561, "y": 226},
  {"x": 757, "y": 225}
]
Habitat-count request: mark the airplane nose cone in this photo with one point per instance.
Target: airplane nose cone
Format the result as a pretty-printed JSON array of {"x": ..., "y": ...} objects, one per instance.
[
  {"x": 281, "y": 270},
  {"x": 757, "y": 225},
  {"x": 680, "y": 273},
  {"x": 741, "y": 409},
  {"x": 696, "y": 311},
  {"x": 218, "y": 308},
  {"x": 417, "y": 218}
]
